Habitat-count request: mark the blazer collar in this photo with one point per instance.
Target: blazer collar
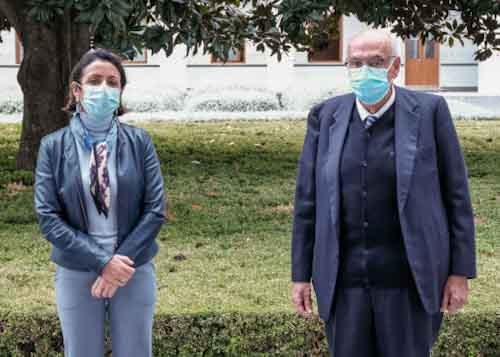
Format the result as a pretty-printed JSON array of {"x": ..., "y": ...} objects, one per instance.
[
  {"x": 340, "y": 118},
  {"x": 121, "y": 140},
  {"x": 72, "y": 168},
  {"x": 407, "y": 124},
  {"x": 69, "y": 142}
]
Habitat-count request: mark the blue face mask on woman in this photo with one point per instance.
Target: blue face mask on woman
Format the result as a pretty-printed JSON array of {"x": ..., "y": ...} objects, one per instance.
[
  {"x": 369, "y": 84},
  {"x": 100, "y": 102}
]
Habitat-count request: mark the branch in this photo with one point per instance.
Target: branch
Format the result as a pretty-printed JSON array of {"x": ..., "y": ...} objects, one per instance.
[
  {"x": 4, "y": 23},
  {"x": 10, "y": 9}
]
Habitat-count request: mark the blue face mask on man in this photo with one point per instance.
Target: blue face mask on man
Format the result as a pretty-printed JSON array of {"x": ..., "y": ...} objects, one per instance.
[
  {"x": 100, "y": 102},
  {"x": 369, "y": 84}
]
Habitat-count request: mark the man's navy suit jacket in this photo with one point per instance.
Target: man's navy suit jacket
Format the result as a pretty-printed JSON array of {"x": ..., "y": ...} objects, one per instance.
[{"x": 433, "y": 197}]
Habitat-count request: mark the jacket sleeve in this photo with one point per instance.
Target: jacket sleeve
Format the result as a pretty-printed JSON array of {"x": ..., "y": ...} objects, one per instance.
[
  {"x": 303, "y": 233},
  {"x": 153, "y": 210},
  {"x": 456, "y": 196},
  {"x": 52, "y": 224}
]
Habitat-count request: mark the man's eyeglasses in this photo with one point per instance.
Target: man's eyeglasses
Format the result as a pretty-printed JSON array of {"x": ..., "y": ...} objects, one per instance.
[{"x": 377, "y": 62}]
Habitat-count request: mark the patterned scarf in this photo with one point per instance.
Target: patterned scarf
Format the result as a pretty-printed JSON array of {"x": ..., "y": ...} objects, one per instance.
[{"x": 100, "y": 188}]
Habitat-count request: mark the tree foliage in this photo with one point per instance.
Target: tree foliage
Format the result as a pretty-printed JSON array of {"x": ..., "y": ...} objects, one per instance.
[
  {"x": 4, "y": 24},
  {"x": 216, "y": 26},
  {"x": 447, "y": 21}
]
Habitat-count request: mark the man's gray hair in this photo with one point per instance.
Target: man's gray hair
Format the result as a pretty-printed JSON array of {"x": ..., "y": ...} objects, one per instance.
[{"x": 394, "y": 42}]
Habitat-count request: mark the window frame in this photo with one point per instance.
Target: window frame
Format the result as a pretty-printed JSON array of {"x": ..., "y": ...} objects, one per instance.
[
  {"x": 341, "y": 48},
  {"x": 132, "y": 62},
  {"x": 19, "y": 51},
  {"x": 242, "y": 57}
]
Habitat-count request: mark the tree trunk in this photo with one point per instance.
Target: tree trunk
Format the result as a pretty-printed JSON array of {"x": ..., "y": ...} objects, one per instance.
[{"x": 50, "y": 52}]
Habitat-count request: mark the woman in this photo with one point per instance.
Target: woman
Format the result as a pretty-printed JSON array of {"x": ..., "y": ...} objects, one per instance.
[{"x": 100, "y": 202}]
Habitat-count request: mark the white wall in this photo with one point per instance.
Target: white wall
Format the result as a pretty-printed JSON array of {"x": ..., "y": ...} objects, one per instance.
[
  {"x": 162, "y": 75},
  {"x": 489, "y": 76},
  {"x": 458, "y": 53},
  {"x": 9, "y": 88},
  {"x": 159, "y": 75},
  {"x": 458, "y": 67},
  {"x": 8, "y": 48},
  {"x": 462, "y": 76}
]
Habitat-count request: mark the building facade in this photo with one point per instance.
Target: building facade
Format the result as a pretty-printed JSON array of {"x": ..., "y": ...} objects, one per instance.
[{"x": 429, "y": 67}]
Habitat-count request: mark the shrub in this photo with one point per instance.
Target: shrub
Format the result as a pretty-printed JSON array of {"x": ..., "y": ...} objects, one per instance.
[
  {"x": 11, "y": 106},
  {"x": 20, "y": 176},
  {"x": 463, "y": 110},
  {"x": 170, "y": 100},
  {"x": 237, "y": 99},
  {"x": 296, "y": 99},
  {"x": 236, "y": 334}
]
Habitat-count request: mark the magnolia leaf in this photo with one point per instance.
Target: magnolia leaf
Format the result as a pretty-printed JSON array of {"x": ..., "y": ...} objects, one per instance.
[{"x": 278, "y": 25}]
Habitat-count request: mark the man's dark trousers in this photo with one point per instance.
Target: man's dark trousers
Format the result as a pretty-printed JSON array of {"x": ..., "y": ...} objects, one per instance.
[{"x": 380, "y": 322}]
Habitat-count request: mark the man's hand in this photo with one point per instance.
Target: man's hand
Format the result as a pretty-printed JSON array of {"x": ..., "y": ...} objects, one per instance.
[
  {"x": 118, "y": 270},
  {"x": 301, "y": 299},
  {"x": 103, "y": 289},
  {"x": 455, "y": 294}
]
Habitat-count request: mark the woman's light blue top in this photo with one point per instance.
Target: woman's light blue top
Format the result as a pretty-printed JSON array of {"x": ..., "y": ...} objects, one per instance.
[{"x": 103, "y": 230}]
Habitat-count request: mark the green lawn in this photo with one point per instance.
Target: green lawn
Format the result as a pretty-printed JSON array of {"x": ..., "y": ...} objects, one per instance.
[{"x": 230, "y": 191}]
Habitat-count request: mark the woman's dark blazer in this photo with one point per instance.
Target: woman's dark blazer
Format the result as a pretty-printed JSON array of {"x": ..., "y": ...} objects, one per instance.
[{"x": 60, "y": 206}]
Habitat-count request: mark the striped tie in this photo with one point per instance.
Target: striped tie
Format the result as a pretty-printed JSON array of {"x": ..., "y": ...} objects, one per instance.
[{"x": 370, "y": 120}]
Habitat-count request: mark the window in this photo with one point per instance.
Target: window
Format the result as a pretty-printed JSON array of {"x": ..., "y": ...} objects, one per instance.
[
  {"x": 329, "y": 52},
  {"x": 412, "y": 48},
  {"x": 19, "y": 50},
  {"x": 235, "y": 55},
  {"x": 139, "y": 58},
  {"x": 415, "y": 49},
  {"x": 429, "y": 49}
]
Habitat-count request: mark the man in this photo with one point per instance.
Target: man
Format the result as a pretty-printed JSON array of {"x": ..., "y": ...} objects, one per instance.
[{"x": 383, "y": 223}]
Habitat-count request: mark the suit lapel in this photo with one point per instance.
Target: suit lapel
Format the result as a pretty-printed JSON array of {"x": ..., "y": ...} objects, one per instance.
[
  {"x": 120, "y": 143},
  {"x": 406, "y": 136},
  {"x": 73, "y": 172},
  {"x": 71, "y": 160},
  {"x": 337, "y": 133}
]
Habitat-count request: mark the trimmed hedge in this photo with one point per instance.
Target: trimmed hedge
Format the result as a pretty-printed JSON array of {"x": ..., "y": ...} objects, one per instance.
[
  {"x": 235, "y": 334},
  {"x": 19, "y": 176},
  {"x": 11, "y": 105},
  {"x": 232, "y": 100}
]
